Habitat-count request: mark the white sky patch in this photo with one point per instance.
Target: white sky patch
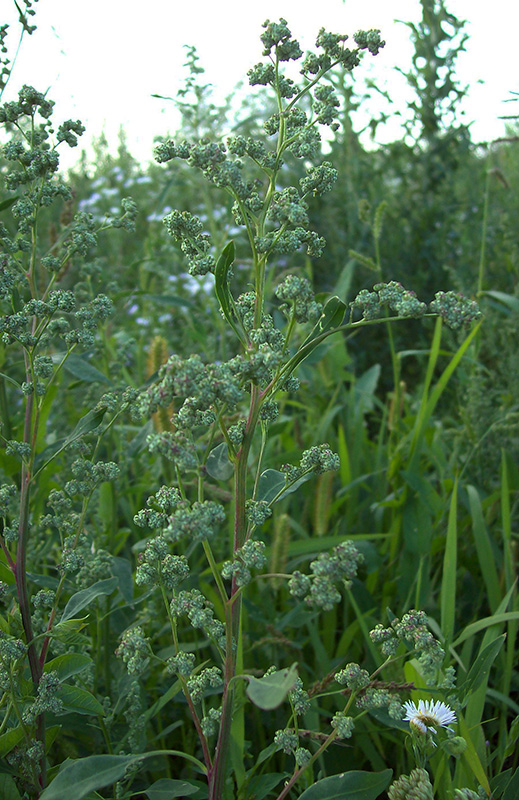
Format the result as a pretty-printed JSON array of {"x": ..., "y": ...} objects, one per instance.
[{"x": 101, "y": 61}]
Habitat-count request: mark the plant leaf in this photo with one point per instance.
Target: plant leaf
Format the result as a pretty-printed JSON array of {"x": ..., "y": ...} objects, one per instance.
[
  {"x": 8, "y": 790},
  {"x": 165, "y": 789},
  {"x": 79, "y": 701},
  {"x": 10, "y": 739},
  {"x": 68, "y": 664},
  {"x": 218, "y": 464},
  {"x": 81, "y": 599},
  {"x": 85, "y": 775},
  {"x": 221, "y": 287},
  {"x": 329, "y": 321},
  {"x": 481, "y": 667},
  {"x": 269, "y": 692},
  {"x": 354, "y": 785}
]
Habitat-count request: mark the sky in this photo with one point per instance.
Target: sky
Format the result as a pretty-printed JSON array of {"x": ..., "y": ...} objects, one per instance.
[{"x": 102, "y": 60}]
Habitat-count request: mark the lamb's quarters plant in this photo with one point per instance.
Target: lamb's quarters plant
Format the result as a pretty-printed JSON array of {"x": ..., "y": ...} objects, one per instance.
[{"x": 207, "y": 695}]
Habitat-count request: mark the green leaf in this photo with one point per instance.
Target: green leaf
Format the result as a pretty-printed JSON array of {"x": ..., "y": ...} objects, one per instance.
[
  {"x": 10, "y": 739},
  {"x": 354, "y": 785},
  {"x": 165, "y": 789},
  {"x": 329, "y": 321},
  {"x": 481, "y": 667},
  {"x": 364, "y": 390},
  {"x": 79, "y": 701},
  {"x": 272, "y": 482},
  {"x": 8, "y": 790},
  {"x": 77, "y": 778},
  {"x": 80, "y": 368},
  {"x": 484, "y": 549},
  {"x": 218, "y": 464},
  {"x": 86, "y": 424},
  {"x": 508, "y": 300},
  {"x": 448, "y": 588},
  {"x": 221, "y": 287},
  {"x": 81, "y": 599},
  {"x": 122, "y": 570},
  {"x": 263, "y": 785},
  {"x": 512, "y": 790},
  {"x": 68, "y": 664},
  {"x": 85, "y": 775},
  {"x": 269, "y": 692},
  {"x": 9, "y": 202}
]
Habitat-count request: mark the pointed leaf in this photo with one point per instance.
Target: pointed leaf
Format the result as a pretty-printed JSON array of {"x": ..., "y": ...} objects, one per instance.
[
  {"x": 512, "y": 790},
  {"x": 79, "y": 701},
  {"x": 9, "y": 202},
  {"x": 166, "y": 789},
  {"x": 329, "y": 322},
  {"x": 354, "y": 785},
  {"x": 68, "y": 664},
  {"x": 80, "y": 368},
  {"x": 86, "y": 424},
  {"x": 81, "y": 599},
  {"x": 218, "y": 464},
  {"x": 272, "y": 482},
  {"x": 481, "y": 667},
  {"x": 221, "y": 286},
  {"x": 85, "y": 775},
  {"x": 10, "y": 739},
  {"x": 269, "y": 692},
  {"x": 8, "y": 790}
]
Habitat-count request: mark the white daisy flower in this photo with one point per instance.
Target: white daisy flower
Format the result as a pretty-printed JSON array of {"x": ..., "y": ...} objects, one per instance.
[{"x": 427, "y": 715}]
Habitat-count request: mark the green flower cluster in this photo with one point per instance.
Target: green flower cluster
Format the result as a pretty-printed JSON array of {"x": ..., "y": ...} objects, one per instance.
[
  {"x": 11, "y": 651},
  {"x": 88, "y": 475},
  {"x": 299, "y": 699},
  {"x": 413, "y": 632},
  {"x": 284, "y": 242},
  {"x": 298, "y": 298},
  {"x": 181, "y": 664},
  {"x": 156, "y": 566},
  {"x": 200, "y": 614},
  {"x": 134, "y": 650},
  {"x": 188, "y": 230},
  {"x": 353, "y": 677},
  {"x": 46, "y": 700},
  {"x": 19, "y": 327},
  {"x": 210, "y": 723},
  {"x": 199, "y": 521},
  {"x": 342, "y": 725},
  {"x": 455, "y": 309},
  {"x": 319, "y": 590},
  {"x": 197, "y": 685},
  {"x": 258, "y": 511},
  {"x": 317, "y": 459},
  {"x": 248, "y": 557},
  {"x": 286, "y": 741},
  {"x": 415, "y": 786},
  {"x": 176, "y": 446},
  {"x": 374, "y": 697},
  {"x": 394, "y": 296},
  {"x": 202, "y": 386},
  {"x": 160, "y": 506}
]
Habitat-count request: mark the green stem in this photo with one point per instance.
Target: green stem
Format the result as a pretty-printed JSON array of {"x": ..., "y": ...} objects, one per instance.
[{"x": 216, "y": 775}]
